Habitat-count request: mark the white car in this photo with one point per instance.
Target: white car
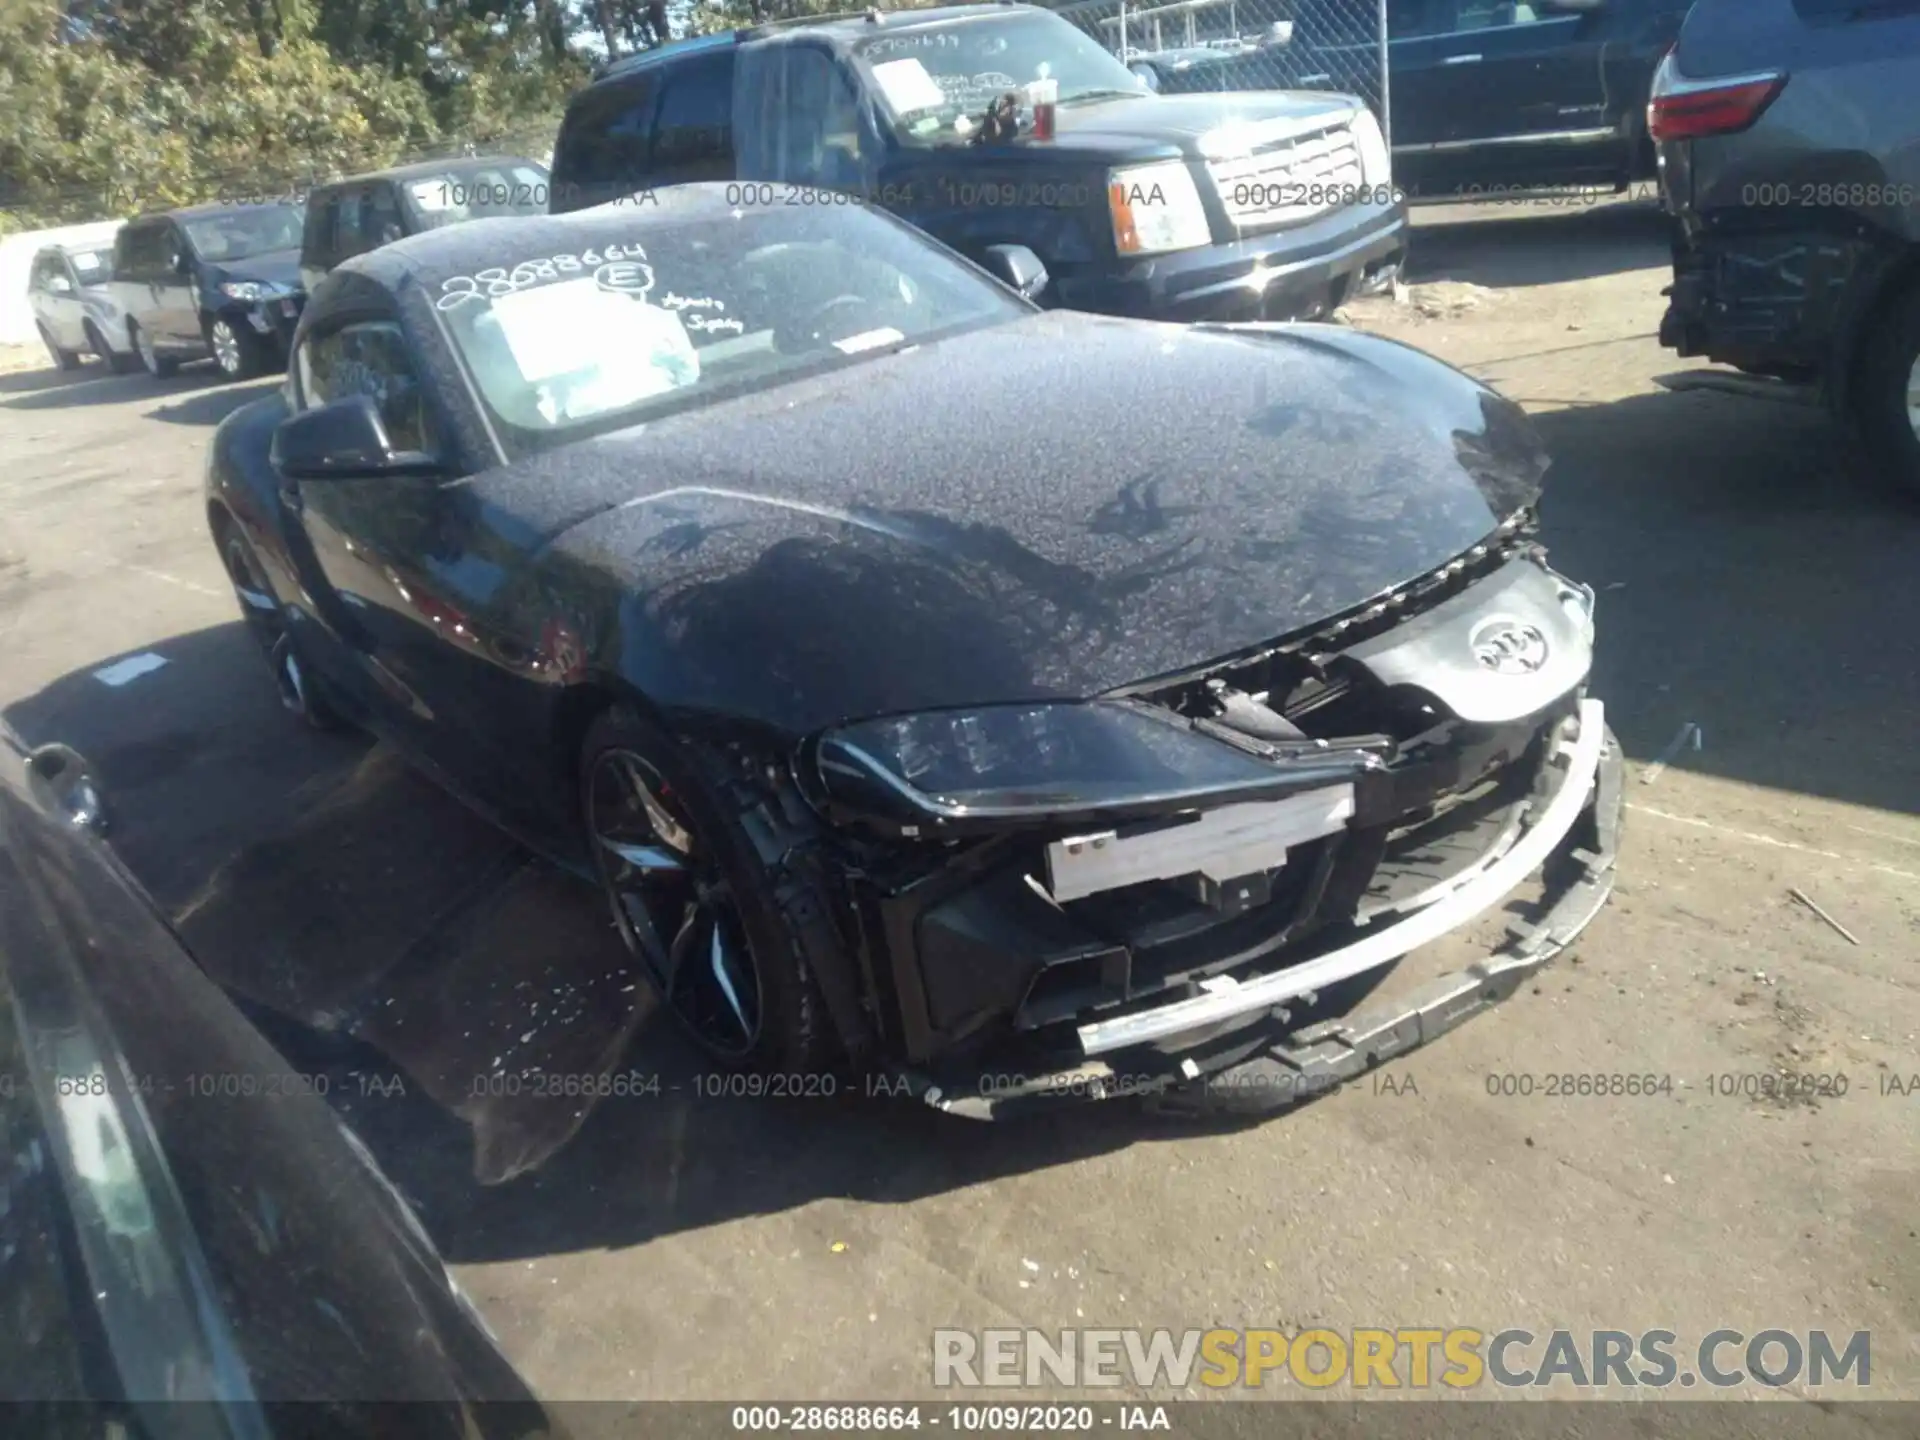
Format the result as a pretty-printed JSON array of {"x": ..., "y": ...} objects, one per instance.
[{"x": 73, "y": 309}]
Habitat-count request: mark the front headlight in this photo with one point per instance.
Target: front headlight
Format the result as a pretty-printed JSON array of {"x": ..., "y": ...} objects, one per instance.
[
  {"x": 1009, "y": 763},
  {"x": 1376, "y": 162},
  {"x": 253, "y": 290},
  {"x": 1156, "y": 208}
]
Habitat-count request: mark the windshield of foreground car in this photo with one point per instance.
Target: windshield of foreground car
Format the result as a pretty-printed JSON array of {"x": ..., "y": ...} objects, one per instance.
[
  {"x": 246, "y": 231},
  {"x": 562, "y": 346},
  {"x": 478, "y": 192},
  {"x": 932, "y": 76}
]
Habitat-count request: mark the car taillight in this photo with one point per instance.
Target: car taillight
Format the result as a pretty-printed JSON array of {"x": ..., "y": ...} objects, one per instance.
[{"x": 1683, "y": 109}]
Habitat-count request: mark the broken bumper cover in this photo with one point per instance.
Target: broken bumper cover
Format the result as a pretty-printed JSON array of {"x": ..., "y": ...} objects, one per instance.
[{"x": 1571, "y": 835}]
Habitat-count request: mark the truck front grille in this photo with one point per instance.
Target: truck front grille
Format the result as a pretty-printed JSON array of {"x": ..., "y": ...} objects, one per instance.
[{"x": 1290, "y": 180}]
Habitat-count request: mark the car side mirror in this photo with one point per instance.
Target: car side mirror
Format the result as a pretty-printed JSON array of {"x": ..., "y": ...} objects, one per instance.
[
  {"x": 1148, "y": 77},
  {"x": 1016, "y": 267},
  {"x": 346, "y": 439},
  {"x": 59, "y": 285},
  {"x": 182, "y": 264}
]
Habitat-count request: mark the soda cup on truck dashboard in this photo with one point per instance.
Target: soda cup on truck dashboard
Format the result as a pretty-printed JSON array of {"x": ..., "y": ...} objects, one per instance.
[{"x": 1043, "y": 95}]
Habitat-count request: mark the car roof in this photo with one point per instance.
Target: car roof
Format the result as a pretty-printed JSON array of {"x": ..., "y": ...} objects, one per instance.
[
  {"x": 421, "y": 168},
  {"x": 850, "y": 25},
  {"x": 211, "y": 207}
]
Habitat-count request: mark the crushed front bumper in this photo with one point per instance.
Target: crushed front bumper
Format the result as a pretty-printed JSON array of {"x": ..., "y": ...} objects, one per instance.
[{"x": 1567, "y": 836}]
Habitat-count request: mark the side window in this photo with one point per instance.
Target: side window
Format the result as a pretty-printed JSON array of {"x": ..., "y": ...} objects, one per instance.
[
  {"x": 380, "y": 222},
  {"x": 369, "y": 359},
  {"x": 1411, "y": 19},
  {"x": 346, "y": 224},
  {"x": 40, "y": 278},
  {"x": 809, "y": 116},
  {"x": 316, "y": 239},
  {"x": 142, "y": 252},
  {"x": 693, "y": 136},
  {"x": 604, "y": 148},
  {"x": 1491, "y": 14}
]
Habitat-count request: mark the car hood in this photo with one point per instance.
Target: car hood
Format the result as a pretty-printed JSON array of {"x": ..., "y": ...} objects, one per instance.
[
  {"x": 1185, "y": 120},
  {"x": 1055, "y": 507},
  {"x": 276, "y": 267}
]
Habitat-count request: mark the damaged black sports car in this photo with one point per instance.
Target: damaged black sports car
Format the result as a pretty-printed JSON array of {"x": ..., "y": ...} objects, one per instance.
[{"x": 1009, "y": 702}]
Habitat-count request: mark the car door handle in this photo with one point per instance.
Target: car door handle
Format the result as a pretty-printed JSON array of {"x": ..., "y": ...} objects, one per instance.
[
  {"x": 61, "y": 781},
  {"x": 1462, "y": 60}
]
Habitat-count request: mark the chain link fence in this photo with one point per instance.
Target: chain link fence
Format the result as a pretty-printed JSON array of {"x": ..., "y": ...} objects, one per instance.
[{"x": 1209, "y": 46}]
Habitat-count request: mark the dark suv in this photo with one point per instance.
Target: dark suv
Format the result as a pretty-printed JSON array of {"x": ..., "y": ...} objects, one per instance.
[
  {"x": 1273, "y": 205},
  {"x": 1494, "y": 97},
  {"x": 218, "y": 281},
  {"x": 362, "y": 212},
  {"x": 1789, "y": 137}
]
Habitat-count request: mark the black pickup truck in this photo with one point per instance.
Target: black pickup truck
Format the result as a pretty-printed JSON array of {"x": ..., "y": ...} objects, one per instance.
[{"x": 1247, "y": 206}]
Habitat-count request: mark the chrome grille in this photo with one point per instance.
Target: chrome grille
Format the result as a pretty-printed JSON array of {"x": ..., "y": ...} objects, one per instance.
[{"x": 1288, "y": 181}]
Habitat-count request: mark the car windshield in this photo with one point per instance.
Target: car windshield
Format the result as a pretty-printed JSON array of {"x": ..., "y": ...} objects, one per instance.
[
  {"x": 567, "y": 345},
  {"x": 245, "y": 231},
  {"x": 938, "y": 80},
  {"x": 93, "y": 267},
  {"x": 476, "y": 192}
]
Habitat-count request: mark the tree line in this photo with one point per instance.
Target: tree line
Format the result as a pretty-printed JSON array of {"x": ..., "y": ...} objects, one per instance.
[{"x": 110, "y": 107}]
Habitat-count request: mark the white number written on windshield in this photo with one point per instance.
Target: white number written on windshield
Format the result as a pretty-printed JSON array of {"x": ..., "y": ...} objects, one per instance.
[{"x": 615, "y": 267}]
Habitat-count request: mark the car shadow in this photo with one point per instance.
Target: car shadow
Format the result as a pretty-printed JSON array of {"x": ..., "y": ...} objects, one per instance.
[
  {"x": 1752, "y": 579},
  {"x": 49, "y": 377},
  {"x": 100, "y": 386},
  {"x": 1521, "y": 243},
  {"x": 212, "y": 405},
  {"x": 459, "y": 994}
]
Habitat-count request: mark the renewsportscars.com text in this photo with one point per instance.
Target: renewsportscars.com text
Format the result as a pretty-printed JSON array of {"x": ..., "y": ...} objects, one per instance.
[{"x": 1458, "y": 1358}]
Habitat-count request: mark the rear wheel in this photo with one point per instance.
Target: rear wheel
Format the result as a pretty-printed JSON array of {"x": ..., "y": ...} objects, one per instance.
[
  {"x": 1887, "y": 401},
  {"x": 157, "y": 366},
  {"x": 693, "y": 901},
  {"x": 301, "y": 691},
  {"x": 65, "y": 359}
]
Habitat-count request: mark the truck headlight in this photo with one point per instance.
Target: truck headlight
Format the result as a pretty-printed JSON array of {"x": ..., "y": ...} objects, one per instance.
[
  {"x": 1156, "y": 208},
  {"x": 1376, "y": 162}
]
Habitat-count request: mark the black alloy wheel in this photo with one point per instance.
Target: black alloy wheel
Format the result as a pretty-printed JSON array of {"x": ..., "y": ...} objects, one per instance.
[
  {"x": 673, "y": 906},
  {"x": 300, "y": 690},
  {"x": 694, "y": 902}
]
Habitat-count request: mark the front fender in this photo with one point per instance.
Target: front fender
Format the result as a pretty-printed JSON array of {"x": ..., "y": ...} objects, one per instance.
[{"x": 241, "y": 484}]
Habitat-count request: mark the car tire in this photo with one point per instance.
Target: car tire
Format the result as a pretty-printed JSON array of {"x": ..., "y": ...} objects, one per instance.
[
  {"x": 697, "y": 908},
  {"x": 115, "y": 361},
  {"x": 156, "y": 364},
  {"x": 302, "y": 691},
  {"x": 238, "y": 352},
  {"x": 1886, "y": 401},
  {"x": 65, "y": 359}
]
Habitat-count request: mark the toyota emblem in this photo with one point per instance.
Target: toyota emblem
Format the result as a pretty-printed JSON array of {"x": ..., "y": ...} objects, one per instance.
[{"x": 1508, "y": 646}]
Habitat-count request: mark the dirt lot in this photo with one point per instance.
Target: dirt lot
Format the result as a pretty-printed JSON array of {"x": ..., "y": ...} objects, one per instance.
[{"x": 686, "y": 1247}]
